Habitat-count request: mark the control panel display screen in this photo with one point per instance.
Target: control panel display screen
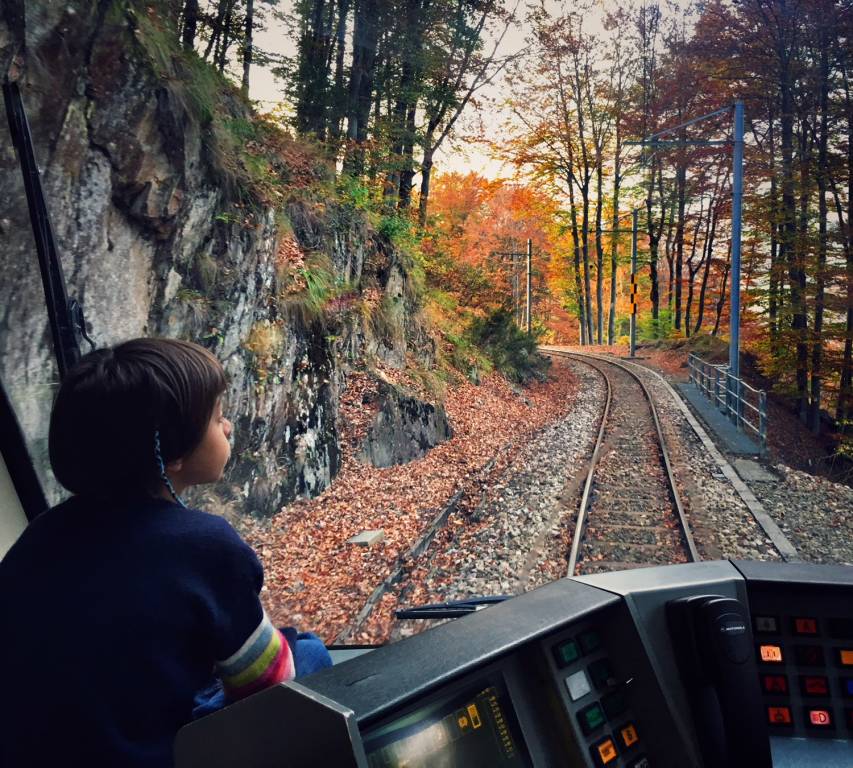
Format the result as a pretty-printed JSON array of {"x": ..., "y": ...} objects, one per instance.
[{"x": 476, "y": 729}]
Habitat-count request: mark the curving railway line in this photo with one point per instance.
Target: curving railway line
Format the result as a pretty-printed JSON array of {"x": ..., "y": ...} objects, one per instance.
[{"x": 630, "y": 512}]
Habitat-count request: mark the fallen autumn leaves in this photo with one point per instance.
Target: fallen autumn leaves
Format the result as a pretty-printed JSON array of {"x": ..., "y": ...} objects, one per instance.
[{"x": 314, "y": 579}]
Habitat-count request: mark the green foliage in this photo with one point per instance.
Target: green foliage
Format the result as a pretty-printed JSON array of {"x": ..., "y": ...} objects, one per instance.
[
  {"x": 651, "y": 329},
  {"x": 353, "y": 193},
  {"x": 509, "y": 348}
]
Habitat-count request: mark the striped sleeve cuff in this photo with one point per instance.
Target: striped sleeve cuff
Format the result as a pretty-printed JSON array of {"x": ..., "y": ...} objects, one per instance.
[{"x": 263, "y": 660}]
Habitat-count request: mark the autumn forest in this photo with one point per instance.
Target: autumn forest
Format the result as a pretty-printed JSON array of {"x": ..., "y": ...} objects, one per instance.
[{"x": 559, "y": 96}]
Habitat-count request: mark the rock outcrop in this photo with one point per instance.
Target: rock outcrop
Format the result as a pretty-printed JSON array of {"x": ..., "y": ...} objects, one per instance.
[
  {"x": 404, "y": 429},
  {"x": 156, "y": 240}
]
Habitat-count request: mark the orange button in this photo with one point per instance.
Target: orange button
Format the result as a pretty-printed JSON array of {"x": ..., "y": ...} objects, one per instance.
[
  {"x": 771, "y": 653},
  {"x": 846, "y": 656},
  {"x": 629, "y": 735},
  {"x": 607, "y": 751},
  {"x": 779, "y": 715}
]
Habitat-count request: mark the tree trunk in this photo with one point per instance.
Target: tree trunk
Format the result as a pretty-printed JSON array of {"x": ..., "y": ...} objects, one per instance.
[
  {"x": 773, "y": 287},
  {"x": 654, "y": 240},
  {"x": 365, "y": 41},
  {"x": 614, "y": 241},
  {"x": 339, "y": 106},
  {"x": 190, "y": 25},
  {"x": 790, "y": 251},
  {"x": 681, "y": 192},
  {"x": 599, "y": 251},
  {"x": 708, "y": 247},
  {"x": 667, "y": 248},
  {"x": 844, "y": 407},
  {"x": 820, "y": 273},
  {"x": 426, "y": 176},
  {"x": 312, "y": 76},
  {"x": 247, "y": 45},
  {"x": 576, "y": 243},
  {"x": 721, "y": 302},
  {"x": 225, "y": 38},
  {"x": 216, "y": 30},
  {"x": 691, "y": 270}
]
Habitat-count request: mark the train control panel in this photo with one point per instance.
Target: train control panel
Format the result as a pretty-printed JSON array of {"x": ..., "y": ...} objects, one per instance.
[{"x": 723, "y": 663}]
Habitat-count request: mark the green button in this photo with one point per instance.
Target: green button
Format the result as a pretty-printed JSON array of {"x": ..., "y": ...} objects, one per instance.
[
  {"x": 589, "y": 641},
  {"x": 567, "y": 653},
  {"x": 591, "y": 718}
]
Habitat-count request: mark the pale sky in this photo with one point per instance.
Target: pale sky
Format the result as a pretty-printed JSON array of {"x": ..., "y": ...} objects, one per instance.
[
  {"x": 453, "y": 155},
  {"x": 456, "y": 154}
]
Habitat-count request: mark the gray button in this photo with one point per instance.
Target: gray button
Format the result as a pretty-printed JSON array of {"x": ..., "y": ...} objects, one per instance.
[{"x": 578, "y": 685}]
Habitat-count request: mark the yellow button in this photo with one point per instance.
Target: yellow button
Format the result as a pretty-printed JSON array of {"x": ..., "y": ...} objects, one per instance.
[
  {"x": 629, "y": 735},
  {"x": 607, "y": 751},
  {"x": 846, "y": 656},
  {"x": 474, "y": 715}
]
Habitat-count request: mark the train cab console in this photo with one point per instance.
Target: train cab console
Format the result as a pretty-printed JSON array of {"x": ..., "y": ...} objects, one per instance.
[{"x": 710, "y": 664}]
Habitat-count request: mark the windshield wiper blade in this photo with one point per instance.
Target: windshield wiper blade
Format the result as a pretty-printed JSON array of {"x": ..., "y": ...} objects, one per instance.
[{"x": 452, "y": 609}]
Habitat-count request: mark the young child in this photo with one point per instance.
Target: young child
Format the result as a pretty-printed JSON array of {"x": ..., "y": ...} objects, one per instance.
[{"x": 121, "y": 605}]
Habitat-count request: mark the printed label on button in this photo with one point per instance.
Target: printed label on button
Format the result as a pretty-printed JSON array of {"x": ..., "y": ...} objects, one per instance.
[
  {"x": 772, "y": 654},
  {"x": 820, "y": 718},
  {"x": 774, "y": 683},
  {"x": 814, "y": 686},
  {"x": 779, "y": 715},
  {"x": 765, "y": 624},
  {"x": 578, "y": 685},
  {"x": 629, "y": 735},
  {"x": 804, "y": 626},
  {"x": 607, "y": 752}
]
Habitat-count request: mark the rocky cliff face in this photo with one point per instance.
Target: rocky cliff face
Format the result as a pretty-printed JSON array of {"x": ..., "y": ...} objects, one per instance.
[{"x": 156, "y": 241}]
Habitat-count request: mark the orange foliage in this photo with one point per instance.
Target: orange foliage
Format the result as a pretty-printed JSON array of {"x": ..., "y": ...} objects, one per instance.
[{"x": 476, "y": 222}]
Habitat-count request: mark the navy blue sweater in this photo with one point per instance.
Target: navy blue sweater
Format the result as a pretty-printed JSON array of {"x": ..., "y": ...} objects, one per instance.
[{"x": 112, "y": 618}]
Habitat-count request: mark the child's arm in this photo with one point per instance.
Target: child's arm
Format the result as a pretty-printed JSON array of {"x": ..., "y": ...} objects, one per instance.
[
  {"x": 249, "y": 652},
  {"x": 264, "y": 659}
]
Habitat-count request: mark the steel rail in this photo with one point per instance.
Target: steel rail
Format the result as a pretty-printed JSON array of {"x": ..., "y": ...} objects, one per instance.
[{"x": 580, "y": 525}]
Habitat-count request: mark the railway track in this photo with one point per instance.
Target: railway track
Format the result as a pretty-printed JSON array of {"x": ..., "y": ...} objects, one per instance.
[{"x": 630, "y": 513}]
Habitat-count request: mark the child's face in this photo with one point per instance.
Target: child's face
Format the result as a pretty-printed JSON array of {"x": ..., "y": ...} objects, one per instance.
[{"x": 207, "y": 462}]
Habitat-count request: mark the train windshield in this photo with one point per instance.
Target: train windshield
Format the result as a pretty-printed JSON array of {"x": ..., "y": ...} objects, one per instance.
[{"x": 504, "y": 292}]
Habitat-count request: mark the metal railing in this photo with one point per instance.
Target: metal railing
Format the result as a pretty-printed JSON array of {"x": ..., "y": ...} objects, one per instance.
[{"x": 745, "y": 406}]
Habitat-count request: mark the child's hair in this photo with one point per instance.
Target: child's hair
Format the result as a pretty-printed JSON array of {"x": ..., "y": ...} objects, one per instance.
[{"x": 111, "y": 404}]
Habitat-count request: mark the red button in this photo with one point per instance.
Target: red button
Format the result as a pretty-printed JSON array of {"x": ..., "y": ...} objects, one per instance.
[
  {"x": 805, "y": 626},
  {"x": 820, "y": 717},
  {"x": 774, "y": 683},
  {"x": 815, "y": 686},
  {"x": 779, "y": 715}
]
